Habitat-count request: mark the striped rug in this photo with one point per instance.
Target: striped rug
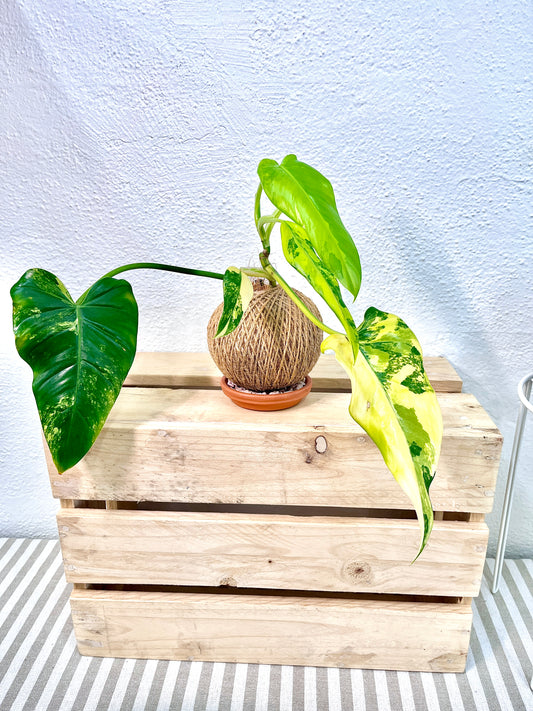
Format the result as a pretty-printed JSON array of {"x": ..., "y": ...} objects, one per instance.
[{"x": 41, "y": 670}]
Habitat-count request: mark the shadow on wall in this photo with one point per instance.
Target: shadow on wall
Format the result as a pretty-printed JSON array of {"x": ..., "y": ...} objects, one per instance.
[
  {"x": 444, "y": 286},
  {"x": 42, "y": 100},
  {"x": 441, "y": 273}
]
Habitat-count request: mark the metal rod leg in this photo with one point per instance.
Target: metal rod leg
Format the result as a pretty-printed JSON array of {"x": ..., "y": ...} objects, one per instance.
[{"x": 509, "y": 491}]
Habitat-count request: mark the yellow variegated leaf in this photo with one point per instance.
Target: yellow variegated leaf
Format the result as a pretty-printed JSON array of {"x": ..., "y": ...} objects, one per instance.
[
  {"x": 395, "y": 404},
  {"x": 300, "y": 254},
  {"x": 238, "y": 292}
]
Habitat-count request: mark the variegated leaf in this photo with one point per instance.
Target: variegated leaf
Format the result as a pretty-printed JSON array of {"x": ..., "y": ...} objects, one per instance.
[
  {"x": 300, "y": 254},
  {"x": 79, "y": 351},
  {"x": 395, "y": 404},
  {"x": 238, "y": 292}
]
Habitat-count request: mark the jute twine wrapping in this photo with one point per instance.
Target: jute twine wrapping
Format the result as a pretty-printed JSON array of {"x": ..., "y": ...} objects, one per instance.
[{"x": 275, "y": 345}]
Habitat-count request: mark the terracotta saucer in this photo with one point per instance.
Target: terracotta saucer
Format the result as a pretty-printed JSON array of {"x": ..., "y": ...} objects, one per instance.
[{"x": 265, "y": 403}]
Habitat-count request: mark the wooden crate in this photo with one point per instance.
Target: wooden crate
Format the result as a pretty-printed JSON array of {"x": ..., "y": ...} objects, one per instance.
[{"x": 194, "y": 529}]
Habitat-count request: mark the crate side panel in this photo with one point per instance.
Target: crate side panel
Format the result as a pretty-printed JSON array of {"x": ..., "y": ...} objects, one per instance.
[
  {"x": 189, "y": 445},
  {"x": 271, "y": 551},
  {"x": 272, "y": 630}
]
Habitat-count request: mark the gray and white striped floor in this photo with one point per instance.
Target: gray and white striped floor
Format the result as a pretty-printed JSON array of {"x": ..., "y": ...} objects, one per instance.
[{"x": 41, "y": 670}]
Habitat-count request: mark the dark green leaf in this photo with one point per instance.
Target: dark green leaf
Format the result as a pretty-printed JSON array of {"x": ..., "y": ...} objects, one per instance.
[
  {"x": 306, "y": 196},
  {"x": 80, "y": 352}
]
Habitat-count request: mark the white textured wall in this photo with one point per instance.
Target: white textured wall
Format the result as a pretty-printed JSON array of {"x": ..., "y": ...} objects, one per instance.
[{"x": 131, "y": 131}]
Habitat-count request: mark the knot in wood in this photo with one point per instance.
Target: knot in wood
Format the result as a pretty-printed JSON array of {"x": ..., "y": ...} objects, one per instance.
[
  {"x": 321, "y": 444},
  {"x": 359, "y": 571},
  {"x": 228, "y": 582}
]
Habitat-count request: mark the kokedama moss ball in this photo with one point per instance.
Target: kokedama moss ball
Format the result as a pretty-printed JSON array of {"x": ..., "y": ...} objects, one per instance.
[{"x": 275, "y": 345}]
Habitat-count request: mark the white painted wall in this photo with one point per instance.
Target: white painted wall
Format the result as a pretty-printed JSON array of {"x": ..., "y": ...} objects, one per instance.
[{"x": 131, "y": 131}]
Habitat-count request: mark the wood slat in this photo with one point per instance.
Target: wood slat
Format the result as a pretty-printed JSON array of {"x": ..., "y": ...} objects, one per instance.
[
  {"x": 271, "y": 551},
  {"x": 272, "y": 630},
  {"x": 196, "y": 446},
  {"x": 198, "y": 370}
]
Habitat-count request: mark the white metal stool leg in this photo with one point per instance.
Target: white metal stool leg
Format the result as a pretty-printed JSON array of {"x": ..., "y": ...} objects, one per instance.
[{"x": 524, "y": 391}]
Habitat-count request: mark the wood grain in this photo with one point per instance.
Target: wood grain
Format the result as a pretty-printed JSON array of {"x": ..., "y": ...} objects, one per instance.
[
  {"x": 198, "y": 370},
  {"x": 272, "y": 629},
  {"x": 271, "y": 551},
  {"x": 195, "y": 445}
]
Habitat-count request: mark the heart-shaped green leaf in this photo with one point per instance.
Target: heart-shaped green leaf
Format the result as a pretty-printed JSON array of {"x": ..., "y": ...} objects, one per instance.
[
  {"x": 306, "y": 196},
  {"x": 395, "y": 404},
  {"x": 80, "y": 352},
  {"x": 238, "y": 292}
]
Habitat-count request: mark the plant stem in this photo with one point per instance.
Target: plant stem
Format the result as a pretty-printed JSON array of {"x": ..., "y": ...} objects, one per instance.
[
  {"x": 252, "y": 272},
  {"x": 299, "y": 303},
  {"x": 265, "y": 241},
  {"x": 164, "y": 267},
  {"x": 270, "y": 220},
  {"x": 270, "y": 227},
  {"x": 264, "y": 235},
  {"x": 267, "y": 267}
]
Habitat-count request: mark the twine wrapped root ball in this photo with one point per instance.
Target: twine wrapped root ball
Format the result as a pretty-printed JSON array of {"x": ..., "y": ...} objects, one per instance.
[{"x": 275, "y": 345}]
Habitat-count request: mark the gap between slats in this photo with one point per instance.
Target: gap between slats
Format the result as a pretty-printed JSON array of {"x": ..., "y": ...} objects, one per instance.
[{"x": 332, "y": 511}]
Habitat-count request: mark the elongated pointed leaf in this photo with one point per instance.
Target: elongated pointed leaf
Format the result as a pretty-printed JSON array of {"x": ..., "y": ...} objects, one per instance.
[
  {"x": 306, "y": 196},
  {"x": 80, "y": 352},
  {"x": 238, "y": 292},
  {"x": 394, "y": 402},
  {"x": 300, "y": 254}
]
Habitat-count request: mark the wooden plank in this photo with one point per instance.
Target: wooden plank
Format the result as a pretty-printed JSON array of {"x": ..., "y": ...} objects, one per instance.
[
  {"x": 476, "y": 517},
  {"x": 196, "y": 446},
  {"x": 198, "y": 370},
  {"x": 271, "y": 551},
  {"x": 272, "y": 630}
]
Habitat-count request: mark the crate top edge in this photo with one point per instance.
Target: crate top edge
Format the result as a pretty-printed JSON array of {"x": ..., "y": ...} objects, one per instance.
[
  {"x": 208, "y": 410},
  {"x": 197, "y": 370}
]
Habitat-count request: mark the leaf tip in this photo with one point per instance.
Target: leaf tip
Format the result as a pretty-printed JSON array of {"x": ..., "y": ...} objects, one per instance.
[
  {"x": 426, "y": 528},
  {"x": 222, "y": 330}
]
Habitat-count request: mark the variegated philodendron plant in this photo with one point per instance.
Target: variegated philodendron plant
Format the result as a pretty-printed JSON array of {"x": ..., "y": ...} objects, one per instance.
[{"x": 81, "y": 351}]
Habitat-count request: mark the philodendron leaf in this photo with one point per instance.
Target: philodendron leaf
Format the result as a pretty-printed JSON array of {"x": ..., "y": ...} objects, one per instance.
[
  {"x": 80, "y": 352},
  {"x": 238, "y": 292},
  {"x": 300, "y": 254},
  {"x": 395, "y": 404},
  {"x": 306, "y": 196}
]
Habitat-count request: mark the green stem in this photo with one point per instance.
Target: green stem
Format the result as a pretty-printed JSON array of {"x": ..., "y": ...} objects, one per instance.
[
  {"x": 165, "y": 267},
  {"x": 299, "y": 303},
  {"x": 257, "y": 214},
  {"x": 270, "y": 220},
  {"x": 264, "y": 235},
  {"x": 252, "y": 272},
  {"x": 270, "y": 227}
]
